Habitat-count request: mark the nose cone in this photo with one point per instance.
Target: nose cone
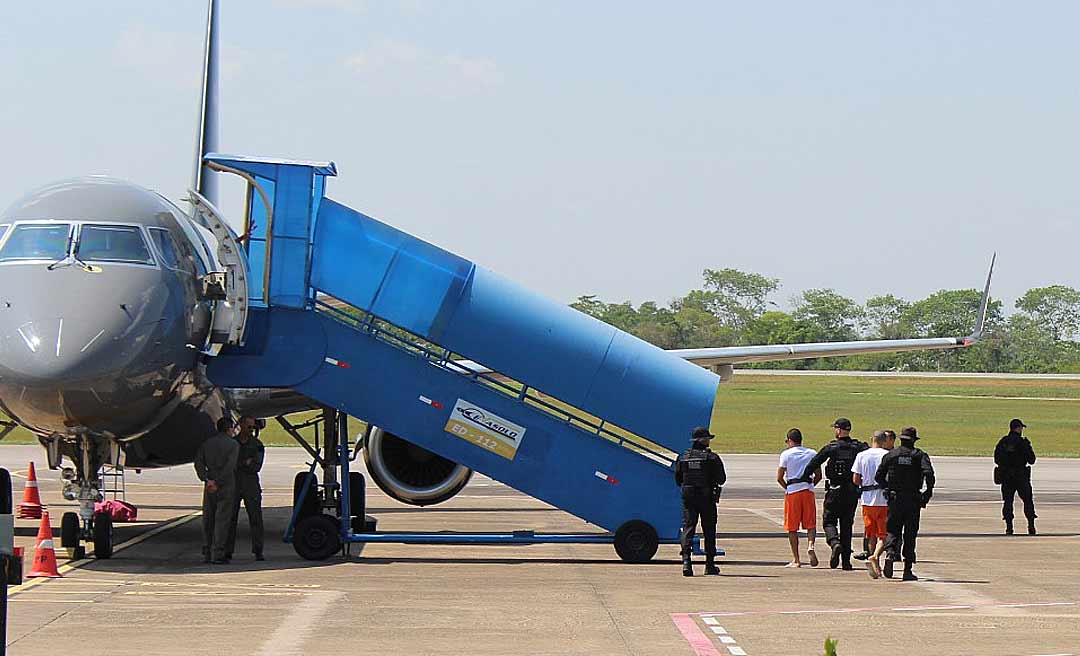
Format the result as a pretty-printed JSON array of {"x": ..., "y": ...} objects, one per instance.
[{"x": 95, "y": 350}]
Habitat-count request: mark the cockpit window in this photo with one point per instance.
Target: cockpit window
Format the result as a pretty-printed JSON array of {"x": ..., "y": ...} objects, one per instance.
[
  {"x": 36, "y": 241},
  {"x": 3, "y": 229},
  {"x": 166, "y": 247},
  {"x": 107, "y": 243}
]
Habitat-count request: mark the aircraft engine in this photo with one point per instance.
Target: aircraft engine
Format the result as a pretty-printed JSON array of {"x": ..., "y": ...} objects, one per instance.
[{"x": 411, "y": 474}]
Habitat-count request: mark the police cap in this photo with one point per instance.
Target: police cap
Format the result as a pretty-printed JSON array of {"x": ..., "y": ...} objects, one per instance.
[
  {"x": 843, "y": 423},
  {"x": 909, "y": 433},
  {"x": 701, "y": 433},
  {"x": 1016, "y": 423}
]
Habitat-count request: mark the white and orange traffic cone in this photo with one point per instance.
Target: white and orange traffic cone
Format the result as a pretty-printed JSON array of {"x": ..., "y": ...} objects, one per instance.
[
  {"x": 31, "y": 507},
  {"x": 44, "y": 555}
]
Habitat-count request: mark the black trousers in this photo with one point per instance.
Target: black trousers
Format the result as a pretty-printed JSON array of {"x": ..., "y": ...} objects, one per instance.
[
  {"x": 1017, "y": 483},
  {"x": 697, "y": 503},
  {"x": 838, "y": 516},
  {"x": 902, "y": 527}
]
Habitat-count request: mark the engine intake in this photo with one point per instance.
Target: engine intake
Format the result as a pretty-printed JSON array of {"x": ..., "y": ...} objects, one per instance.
[{"x": 412, "y": 474}]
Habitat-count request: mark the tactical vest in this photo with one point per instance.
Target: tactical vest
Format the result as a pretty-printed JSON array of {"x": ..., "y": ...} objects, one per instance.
[
  {"x": 905, "y": 472},
  {"x": 838, "y": 471},
  {"x": 694, "y": 469}
]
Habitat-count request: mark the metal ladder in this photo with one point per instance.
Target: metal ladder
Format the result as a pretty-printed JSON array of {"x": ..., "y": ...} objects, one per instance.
[{"x": 112, "y": 483}]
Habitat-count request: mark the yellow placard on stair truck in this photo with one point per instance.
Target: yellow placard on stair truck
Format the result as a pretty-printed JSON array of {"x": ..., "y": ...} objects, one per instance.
[{"x": 485, "y": 429}]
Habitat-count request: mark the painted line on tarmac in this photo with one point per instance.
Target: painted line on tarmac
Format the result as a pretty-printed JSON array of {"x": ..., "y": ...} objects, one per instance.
[
  {"x": 142, "y": 537},
  {"x": 878, "y": 609},
  {"x": 699, "y": 642},
  {"x": 761, "y": 513},
  {"x": 289, "y": 637}
]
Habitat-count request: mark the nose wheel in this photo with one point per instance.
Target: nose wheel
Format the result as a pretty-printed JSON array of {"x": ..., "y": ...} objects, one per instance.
[
  {"x": 102, "y": 530},
  {"x": 99, "y": 532}
]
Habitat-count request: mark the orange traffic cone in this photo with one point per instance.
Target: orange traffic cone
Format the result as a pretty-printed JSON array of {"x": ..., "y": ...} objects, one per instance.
[
  {"x": 44, "y": 556},
  {"x": 31, "y": 507}
]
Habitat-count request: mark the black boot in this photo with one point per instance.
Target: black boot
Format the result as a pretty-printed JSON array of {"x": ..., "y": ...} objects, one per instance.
[
  {"x": 834, "y": 558},
  {"x": 888, "y": 569},
  {"x": 710, "y": 566},
  {"x": 908, "y": 574},
  {"x": 1031, "y": 527},
  {"x": 687, "y": 568},
  {"x": 847, "y": 566},
  {"x": 1008, "y": 527}
]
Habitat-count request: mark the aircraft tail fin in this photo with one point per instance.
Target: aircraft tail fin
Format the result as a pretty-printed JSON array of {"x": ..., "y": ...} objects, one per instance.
[
  {"x": 983, "y": 306},
  {"x": 203, "y": 180}
]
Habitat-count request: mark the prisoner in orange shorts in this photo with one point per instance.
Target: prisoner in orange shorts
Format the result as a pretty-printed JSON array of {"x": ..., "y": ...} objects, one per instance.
[
  {"x": 800, "y": 508},
  {"x": 874, "y": 521}
]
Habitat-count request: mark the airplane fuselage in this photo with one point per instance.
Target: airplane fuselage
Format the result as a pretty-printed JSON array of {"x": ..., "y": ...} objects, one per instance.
[{"x": 101, "y": 318}]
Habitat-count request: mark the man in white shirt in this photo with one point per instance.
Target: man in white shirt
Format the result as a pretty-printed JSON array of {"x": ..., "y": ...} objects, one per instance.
[
  {"x": 800, "y": 506},
  {"x": 874, "y": 504}
]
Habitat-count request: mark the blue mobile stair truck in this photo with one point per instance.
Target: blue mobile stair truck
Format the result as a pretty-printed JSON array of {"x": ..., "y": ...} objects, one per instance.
[{"x": 370, "y": 322}]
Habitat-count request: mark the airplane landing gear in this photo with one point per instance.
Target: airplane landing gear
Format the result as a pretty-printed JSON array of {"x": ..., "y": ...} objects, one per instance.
[{"x": 83, "y": 484}]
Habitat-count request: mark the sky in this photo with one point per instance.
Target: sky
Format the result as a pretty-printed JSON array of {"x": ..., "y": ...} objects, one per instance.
[{"x": 609, "y": 148}]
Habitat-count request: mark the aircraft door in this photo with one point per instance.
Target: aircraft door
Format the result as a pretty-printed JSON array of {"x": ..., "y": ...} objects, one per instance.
[{"x": 228, "y": 283}]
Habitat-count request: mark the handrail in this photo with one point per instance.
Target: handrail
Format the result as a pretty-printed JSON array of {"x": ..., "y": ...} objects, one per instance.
[
  {"x": 247, "y": 220},
  {"x": 527, "y": 395}
]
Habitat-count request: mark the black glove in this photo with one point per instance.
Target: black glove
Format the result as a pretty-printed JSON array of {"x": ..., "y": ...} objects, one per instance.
[
  {"x": 716, "y": 494},
  {"x": 925, "y": 498}
]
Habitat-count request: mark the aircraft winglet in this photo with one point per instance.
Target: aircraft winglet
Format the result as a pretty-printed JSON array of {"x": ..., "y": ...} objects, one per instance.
[{"x": 984, "y": 305}]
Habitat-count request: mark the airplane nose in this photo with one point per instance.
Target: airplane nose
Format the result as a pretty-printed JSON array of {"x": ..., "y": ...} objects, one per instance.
[
  {"x": 104, "y": 350},
  {"x": 57, "y": 349}
]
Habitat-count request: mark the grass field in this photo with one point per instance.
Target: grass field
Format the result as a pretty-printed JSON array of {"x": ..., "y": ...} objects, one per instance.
[{"x": 955, "y": 416}]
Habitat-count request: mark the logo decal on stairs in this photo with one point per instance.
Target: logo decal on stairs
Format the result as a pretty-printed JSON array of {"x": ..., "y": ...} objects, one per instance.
[{"x": 485, "y": 429}]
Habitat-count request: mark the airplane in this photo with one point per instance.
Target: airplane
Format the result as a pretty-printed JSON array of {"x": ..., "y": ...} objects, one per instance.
[{"x": 113, "y": 300}]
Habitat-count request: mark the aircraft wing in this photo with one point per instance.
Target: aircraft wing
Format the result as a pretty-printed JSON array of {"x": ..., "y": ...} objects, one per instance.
[
  {"x": 718, "y": 357},
  {"x": 730, "y": 355}
]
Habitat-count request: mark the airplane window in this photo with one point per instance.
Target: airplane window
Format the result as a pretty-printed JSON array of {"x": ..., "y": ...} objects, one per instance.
[
  {"x": 166, "y": 245},
  {"x": 105, "y": 243},
  {"x": 3, "y": 229},
  {"x": 48, "y": 241}
]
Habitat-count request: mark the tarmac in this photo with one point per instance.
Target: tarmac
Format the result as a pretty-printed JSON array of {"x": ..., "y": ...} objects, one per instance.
[{"x": 981, "y": 592}]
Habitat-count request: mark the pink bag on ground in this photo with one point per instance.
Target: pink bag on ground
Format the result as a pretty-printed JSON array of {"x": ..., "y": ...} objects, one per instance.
[{"x": 120, "y": 511}]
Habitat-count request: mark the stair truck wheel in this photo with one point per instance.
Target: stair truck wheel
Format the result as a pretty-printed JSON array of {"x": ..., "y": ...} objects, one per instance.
[
  {"x": 70, "y": 527},
  {"x": 311, "y": 499},
  {"x": 357, "y": 501},
  {"x": 636, "y": 541},
  {"x": 103, "y": 535},
  {"x": 317, "y": 537}
]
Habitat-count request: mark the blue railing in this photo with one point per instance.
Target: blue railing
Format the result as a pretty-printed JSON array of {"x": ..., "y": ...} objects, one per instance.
[{"x": 388, "y": 333}]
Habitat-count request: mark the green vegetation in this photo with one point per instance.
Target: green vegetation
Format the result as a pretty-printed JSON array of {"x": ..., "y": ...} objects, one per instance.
[
  {"x": 830, "y": 646},
  {"x": 955, "y": 416},
  {"x": 734, "y": 309}
]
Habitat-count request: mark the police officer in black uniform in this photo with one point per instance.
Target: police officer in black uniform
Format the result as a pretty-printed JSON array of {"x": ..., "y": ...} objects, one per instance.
[
  {"x": 700, "y": 474},
  {"x": 901, "y": 474},
  {"x": 1013, "y": 457},
  {"x": 841, "y": 494}
]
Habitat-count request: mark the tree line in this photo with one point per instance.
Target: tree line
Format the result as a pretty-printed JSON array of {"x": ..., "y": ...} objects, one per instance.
[{"x": 735, "y": 308}]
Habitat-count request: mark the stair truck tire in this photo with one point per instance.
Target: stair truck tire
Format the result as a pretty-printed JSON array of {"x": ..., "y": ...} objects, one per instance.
[
  {"x": 70, "y": 527},
  {"x": 317, "y": 537},
  {"x": 357, "y": 501},
  {"x": 636, "y": 541},
  {"x": 311, "y": 499},
  {"x": 103, "y": 535}
]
